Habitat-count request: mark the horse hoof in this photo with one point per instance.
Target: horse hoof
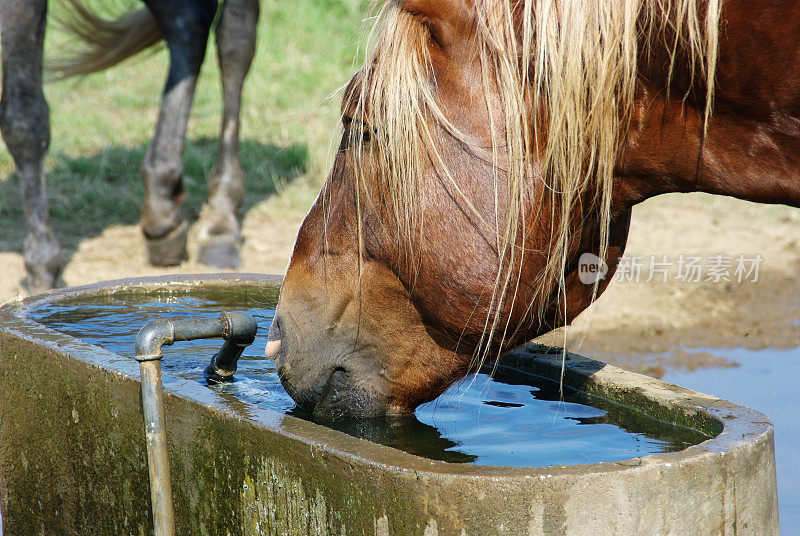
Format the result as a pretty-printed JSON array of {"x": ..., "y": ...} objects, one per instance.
[
  {"x": 220, "y": 253},
  {"x": 43, "y": 262},
  {"x": 170, "y": 249},
  {"x": 41, "y": 278},
  {"x": 38, "y": 283}
]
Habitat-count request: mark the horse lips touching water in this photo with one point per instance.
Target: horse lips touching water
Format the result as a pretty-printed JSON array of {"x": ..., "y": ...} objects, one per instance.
[{"x": 466, "y": 188}]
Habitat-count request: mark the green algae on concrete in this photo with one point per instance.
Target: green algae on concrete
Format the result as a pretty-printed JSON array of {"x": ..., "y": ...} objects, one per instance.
[{"x": 72, "y": 456}]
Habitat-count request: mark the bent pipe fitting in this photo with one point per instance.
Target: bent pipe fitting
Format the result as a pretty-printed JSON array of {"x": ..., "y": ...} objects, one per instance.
[{"x": 238, "y": 330}]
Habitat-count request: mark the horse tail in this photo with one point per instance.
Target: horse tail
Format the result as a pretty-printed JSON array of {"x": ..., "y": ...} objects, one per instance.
[{"x": 107, "y": 42}]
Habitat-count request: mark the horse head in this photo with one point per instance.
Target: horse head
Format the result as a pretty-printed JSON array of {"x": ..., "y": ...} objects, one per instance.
[{"x": 487, "y": 146}]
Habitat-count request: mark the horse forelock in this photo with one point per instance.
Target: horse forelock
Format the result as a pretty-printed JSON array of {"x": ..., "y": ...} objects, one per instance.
[{"x": 565, "y": 72}]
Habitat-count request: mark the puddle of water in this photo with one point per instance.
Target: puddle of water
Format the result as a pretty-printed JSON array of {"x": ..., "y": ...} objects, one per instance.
[
  {"x": 765, "y": 380},
  {"x": 519, "y": 421}
]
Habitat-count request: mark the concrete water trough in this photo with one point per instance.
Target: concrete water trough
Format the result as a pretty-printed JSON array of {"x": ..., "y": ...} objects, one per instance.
[{"x": 73, "y": 458}]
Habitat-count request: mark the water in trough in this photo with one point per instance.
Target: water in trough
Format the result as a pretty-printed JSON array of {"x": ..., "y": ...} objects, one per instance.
[
  {"x": 765, "y": 380},
  {"x": 512, "y": 419}
]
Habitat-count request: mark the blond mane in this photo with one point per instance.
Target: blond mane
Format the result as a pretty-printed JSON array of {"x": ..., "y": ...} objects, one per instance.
[{"x": 565, "y": 72}]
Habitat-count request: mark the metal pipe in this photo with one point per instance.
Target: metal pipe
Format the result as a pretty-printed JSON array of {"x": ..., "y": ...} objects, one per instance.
[
  {"x": 238, "y": 330},
  {"x": 157, "y": 453}
]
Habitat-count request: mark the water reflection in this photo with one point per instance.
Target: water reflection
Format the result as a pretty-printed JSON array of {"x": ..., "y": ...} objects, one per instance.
[
  {"x": 408, "y": 434},
  {"x": 514, "y": 419}
]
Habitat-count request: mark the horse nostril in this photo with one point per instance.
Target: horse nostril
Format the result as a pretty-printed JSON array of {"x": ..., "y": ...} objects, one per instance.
[
  {"x": 272, "y": 348},
  {"x": 327, "y": 405},
  {"x": 338, "y": 378}
]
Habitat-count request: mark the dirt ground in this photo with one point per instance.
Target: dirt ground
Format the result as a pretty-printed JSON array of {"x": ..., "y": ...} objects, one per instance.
[
  {"x": 658, "y": 319},
  {"x": 648, "y": 326}
]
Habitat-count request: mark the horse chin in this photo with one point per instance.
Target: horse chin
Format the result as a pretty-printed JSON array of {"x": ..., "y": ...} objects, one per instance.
[
  {"x": 323, "y": 377},
  {"x": 334, "y": 384},
  {"x": 345, "y": 393},
  {"x": 350, "y": 348},
  {"x": 330, "y": 375},
  {"x": 342, "y": 398}
]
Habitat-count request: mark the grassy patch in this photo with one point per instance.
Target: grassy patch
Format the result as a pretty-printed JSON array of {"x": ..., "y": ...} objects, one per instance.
[
  {"x": 98, "y": 190},
  {"x": 101, "y": 124}
]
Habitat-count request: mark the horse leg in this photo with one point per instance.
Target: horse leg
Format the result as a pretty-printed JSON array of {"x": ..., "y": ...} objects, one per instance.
[
  {"x": 25, "y": 126},
  {"x": 185, "y": 26},
  {"x": 220, "y": 237}
]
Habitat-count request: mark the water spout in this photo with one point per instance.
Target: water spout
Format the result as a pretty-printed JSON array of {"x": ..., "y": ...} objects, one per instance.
[{"x": 238, "y": 330}]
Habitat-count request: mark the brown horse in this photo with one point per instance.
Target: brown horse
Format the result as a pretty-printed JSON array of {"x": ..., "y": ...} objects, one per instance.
[
  {"x": 487, "y": 145},
  {"x": 185, "y": 26}
]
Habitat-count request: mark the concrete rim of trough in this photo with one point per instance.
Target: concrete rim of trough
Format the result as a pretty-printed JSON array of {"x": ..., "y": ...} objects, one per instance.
[{"x": 738, "y": 428}]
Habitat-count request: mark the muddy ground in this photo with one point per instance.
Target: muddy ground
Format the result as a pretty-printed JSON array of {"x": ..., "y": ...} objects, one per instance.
[{"x": 645, "y": 326}]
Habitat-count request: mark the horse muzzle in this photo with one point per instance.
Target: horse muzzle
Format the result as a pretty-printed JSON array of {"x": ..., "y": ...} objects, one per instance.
[{"x": 323, "y": 384}]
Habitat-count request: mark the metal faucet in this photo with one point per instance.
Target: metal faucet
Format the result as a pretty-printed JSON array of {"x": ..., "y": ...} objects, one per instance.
[{"x": 238, "y": 330}]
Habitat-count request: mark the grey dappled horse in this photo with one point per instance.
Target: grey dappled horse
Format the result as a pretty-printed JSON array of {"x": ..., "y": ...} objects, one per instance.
[{"x": 185, "y": 26}]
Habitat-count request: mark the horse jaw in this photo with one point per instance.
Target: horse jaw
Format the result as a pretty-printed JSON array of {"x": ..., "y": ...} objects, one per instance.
[{"x": 339, "y": 354}]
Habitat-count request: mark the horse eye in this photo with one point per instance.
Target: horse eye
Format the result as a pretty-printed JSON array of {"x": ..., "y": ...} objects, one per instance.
[{"x": 364, "y": 129}]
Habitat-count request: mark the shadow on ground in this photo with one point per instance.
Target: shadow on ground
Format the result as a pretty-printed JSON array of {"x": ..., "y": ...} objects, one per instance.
[{"x": 90, "y": 193}]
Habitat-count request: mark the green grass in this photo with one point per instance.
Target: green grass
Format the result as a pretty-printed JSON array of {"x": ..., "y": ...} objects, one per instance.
[{"x": 101, "y": 125}]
